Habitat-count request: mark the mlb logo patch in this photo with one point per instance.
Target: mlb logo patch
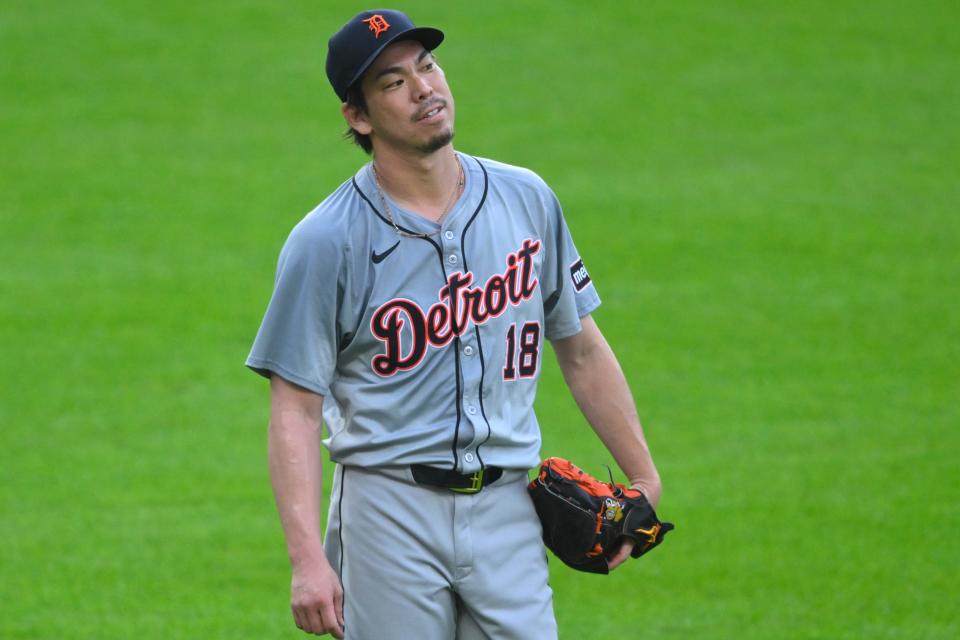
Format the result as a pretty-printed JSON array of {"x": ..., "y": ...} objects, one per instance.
[{"x": 579, "y": 275}]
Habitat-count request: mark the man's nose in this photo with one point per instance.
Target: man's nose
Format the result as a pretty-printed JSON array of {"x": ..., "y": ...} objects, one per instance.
[{"x": 422, "y": 88}]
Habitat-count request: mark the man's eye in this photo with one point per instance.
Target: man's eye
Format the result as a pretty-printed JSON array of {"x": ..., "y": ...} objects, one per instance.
[
  {"x": 395, "y": 83},
  {"x": 429, "y": 66}
]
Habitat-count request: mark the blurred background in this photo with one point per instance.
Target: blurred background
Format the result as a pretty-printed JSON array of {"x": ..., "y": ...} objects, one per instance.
[{"x": 766, "y": 196}]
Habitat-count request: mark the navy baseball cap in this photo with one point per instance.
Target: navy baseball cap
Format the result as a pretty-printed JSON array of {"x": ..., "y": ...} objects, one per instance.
[{"x": 357, "y": 44}]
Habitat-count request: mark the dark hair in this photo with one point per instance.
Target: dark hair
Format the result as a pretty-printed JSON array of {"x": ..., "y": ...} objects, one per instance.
[{"x": 356, "y": 99}]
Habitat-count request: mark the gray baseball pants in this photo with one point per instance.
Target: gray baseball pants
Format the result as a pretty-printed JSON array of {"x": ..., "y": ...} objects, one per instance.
[{"x": 425, "y": 563}]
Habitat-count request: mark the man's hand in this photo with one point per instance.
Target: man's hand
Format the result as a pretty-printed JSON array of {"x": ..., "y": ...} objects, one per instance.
[
  {"x": 622, "y": 554},
  {"x": 316, "y": 599}
]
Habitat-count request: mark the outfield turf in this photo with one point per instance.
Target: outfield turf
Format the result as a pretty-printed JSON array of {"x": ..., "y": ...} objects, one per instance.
[{"x": 766, "y": 195}]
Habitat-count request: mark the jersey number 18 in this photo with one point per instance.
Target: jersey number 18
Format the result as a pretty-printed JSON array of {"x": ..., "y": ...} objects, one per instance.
[{"x": 527, "y": 354}]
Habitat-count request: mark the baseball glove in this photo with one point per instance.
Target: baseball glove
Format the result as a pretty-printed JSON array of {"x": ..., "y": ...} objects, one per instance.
[{"x": 585, "y": 520}]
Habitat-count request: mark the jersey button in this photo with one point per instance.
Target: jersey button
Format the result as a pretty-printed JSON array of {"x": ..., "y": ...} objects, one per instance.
[
  {"x": 448, "y": 234},
  {"x": 472, "y": 410},
  {"x": 468, "y": 350},
  {"x": 452, "y": 259},
  {"x": 468, "y": 457}
]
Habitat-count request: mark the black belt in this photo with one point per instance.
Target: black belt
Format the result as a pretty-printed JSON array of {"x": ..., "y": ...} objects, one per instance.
[{"x": 459, "y": 482}]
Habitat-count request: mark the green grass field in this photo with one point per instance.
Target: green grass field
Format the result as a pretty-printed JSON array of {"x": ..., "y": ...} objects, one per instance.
[{"x": 766, "y": 195}]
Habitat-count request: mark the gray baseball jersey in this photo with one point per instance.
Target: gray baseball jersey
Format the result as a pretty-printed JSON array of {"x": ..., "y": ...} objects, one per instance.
[{"x": 427, "y": 350}]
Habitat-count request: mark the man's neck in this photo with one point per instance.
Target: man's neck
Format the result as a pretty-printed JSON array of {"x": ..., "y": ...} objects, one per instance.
[{"x": 423, "y": 183}]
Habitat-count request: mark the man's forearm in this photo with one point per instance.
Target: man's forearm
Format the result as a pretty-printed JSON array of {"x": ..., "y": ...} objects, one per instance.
[
  {"x": 295, "y": 473},
  {"x": 598, "y": 385}
]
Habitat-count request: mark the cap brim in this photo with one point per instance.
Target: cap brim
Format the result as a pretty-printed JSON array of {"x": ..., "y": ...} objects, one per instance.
[{"x": 429, "y": 37}]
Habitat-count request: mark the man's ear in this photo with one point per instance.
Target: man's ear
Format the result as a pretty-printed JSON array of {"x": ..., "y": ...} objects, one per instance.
[{"x": 356, "y": 118}]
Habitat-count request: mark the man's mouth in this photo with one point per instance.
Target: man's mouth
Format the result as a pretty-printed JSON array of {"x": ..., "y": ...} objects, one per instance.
[{"x": 431, "y": 111}]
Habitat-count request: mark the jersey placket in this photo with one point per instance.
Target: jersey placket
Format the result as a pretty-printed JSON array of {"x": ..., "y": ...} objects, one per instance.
[{"x": 471, "y": 368}]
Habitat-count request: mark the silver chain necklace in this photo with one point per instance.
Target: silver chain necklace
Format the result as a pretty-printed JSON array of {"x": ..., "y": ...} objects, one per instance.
[{"x": 450, "y": 202}]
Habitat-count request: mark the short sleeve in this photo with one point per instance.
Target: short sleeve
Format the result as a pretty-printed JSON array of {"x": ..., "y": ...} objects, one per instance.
[
  {"x": 298, "y": 338},
  {"x": 568, "y": 291}
]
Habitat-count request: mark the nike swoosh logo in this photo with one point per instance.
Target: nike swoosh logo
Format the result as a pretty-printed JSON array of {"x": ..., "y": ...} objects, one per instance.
[{"x": 380, "y": 257}]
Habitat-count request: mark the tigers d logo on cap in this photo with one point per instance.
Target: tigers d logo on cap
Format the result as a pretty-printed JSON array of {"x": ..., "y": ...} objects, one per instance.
[{"x": 377, "y": 24}]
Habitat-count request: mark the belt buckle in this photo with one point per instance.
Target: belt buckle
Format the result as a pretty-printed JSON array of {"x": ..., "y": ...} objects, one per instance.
[{"x": 476, "y": 483}]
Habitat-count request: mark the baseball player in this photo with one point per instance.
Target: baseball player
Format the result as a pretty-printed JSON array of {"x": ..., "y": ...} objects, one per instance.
[{"x": 410, "y": 313}]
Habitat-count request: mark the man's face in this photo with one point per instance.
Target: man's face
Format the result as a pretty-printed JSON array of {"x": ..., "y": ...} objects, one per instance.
[{"x": 409, "y": 105}]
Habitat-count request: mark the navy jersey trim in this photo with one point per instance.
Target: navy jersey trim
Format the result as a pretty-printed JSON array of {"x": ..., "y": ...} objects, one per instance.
[
  {"x": 476, "y": 329},
  {"x": 377, "y": 211}
]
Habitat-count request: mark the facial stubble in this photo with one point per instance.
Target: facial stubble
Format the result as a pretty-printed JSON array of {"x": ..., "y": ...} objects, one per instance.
[{"x": 437, "y": 142}]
